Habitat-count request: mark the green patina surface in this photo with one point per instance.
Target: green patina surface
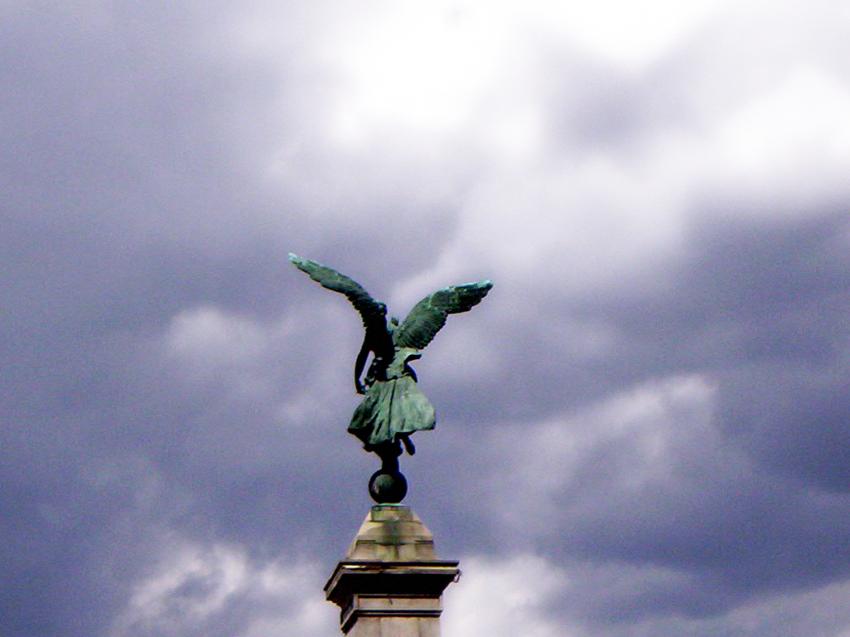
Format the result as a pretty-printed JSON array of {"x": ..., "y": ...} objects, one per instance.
[{"x": 393, "y": 406}]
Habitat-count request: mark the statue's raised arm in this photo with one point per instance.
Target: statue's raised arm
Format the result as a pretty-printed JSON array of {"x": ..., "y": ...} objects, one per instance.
[
  {"x": 393, "y": 407},
  {"x": 377, "y": 339}
]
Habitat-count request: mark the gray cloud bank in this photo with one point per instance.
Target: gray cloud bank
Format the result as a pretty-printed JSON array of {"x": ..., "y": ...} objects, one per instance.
[{"x": 643, "y": 430}]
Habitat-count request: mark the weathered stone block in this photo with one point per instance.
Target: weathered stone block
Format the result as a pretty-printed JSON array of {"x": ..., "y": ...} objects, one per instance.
[{"x": 390, "y": 584}]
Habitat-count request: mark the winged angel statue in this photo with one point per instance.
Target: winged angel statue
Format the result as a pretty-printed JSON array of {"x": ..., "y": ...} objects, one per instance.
[{"x": 393, "y": 406}]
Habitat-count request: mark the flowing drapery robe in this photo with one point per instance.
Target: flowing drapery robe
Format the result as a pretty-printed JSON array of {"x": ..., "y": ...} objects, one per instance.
[{"x": 393, "y": 406}]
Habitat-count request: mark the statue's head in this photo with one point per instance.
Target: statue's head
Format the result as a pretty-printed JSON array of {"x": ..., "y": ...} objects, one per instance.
[{"x": 394, "y": 321}]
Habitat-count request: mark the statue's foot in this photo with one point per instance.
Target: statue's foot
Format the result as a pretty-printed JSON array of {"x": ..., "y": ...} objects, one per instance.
[
  {"x": 387, "y": 487},
  {"x": 408, "y": 444}
]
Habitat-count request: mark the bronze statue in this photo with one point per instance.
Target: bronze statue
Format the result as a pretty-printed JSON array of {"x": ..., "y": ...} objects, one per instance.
[{"x": 393, "y": 406}]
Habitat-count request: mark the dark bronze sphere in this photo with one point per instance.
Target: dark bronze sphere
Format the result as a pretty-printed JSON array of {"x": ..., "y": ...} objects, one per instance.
[{"x": 387, "y": 487}]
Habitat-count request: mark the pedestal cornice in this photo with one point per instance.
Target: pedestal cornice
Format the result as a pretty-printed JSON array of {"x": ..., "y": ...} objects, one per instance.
[{"x": 378, "y": 593}]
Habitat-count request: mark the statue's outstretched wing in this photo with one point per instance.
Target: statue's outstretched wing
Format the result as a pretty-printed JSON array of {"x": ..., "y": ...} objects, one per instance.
[
  {"x": 329, "y": 278},
  {"x": 429, "y": 315}
]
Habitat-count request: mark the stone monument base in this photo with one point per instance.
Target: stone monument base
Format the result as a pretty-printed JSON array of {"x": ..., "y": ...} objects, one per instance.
[{"x": 390, "y": 583}]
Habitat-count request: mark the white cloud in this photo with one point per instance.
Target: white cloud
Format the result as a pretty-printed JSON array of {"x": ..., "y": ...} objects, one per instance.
[
  {"x": 531, "y": 595},
  {"x": 210, "y": 336},
  {"x": 793, "y": 139},
  {"x": 456, "y": 106},
  {"x": 438, "y": 68},
  {"x": 194, "y": 586},
  {"x": 415, "y": 67},
  {"x": 208, "y": 346},
  {"x": 625, "y": 34},
  {"x": 506, "y": 598},
  {"x": 652, "y": 427},
  {"x": 823, "y": 612}
]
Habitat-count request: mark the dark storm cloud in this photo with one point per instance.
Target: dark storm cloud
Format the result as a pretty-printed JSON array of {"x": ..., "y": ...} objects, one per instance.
[
  {"x": 102, "y": 159},
  {"x": 756, "y": 502},
  {"x": 126, "y": 201},
  {"x": 763, "y": 304},
  {"x": 174, "y": 393}
]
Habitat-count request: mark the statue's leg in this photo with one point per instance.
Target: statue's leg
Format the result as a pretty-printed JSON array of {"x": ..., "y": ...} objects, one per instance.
[
  {"x": 408, "y": 443},
  {"x": 389, "y": 452}
]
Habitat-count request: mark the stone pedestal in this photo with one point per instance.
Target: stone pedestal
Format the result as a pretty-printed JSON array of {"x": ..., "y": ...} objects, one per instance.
[{"x": 390, "y": 583}]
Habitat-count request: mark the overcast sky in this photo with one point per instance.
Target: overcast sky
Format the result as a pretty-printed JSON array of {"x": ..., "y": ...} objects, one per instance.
[{"x": 642, "y": 430}]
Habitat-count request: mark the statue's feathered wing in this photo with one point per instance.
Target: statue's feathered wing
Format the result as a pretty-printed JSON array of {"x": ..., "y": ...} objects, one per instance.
[
  {"x": 377, "y": 339},
  {"x": 369, "y": 308},
  {"x": 429, "y": 315}
]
